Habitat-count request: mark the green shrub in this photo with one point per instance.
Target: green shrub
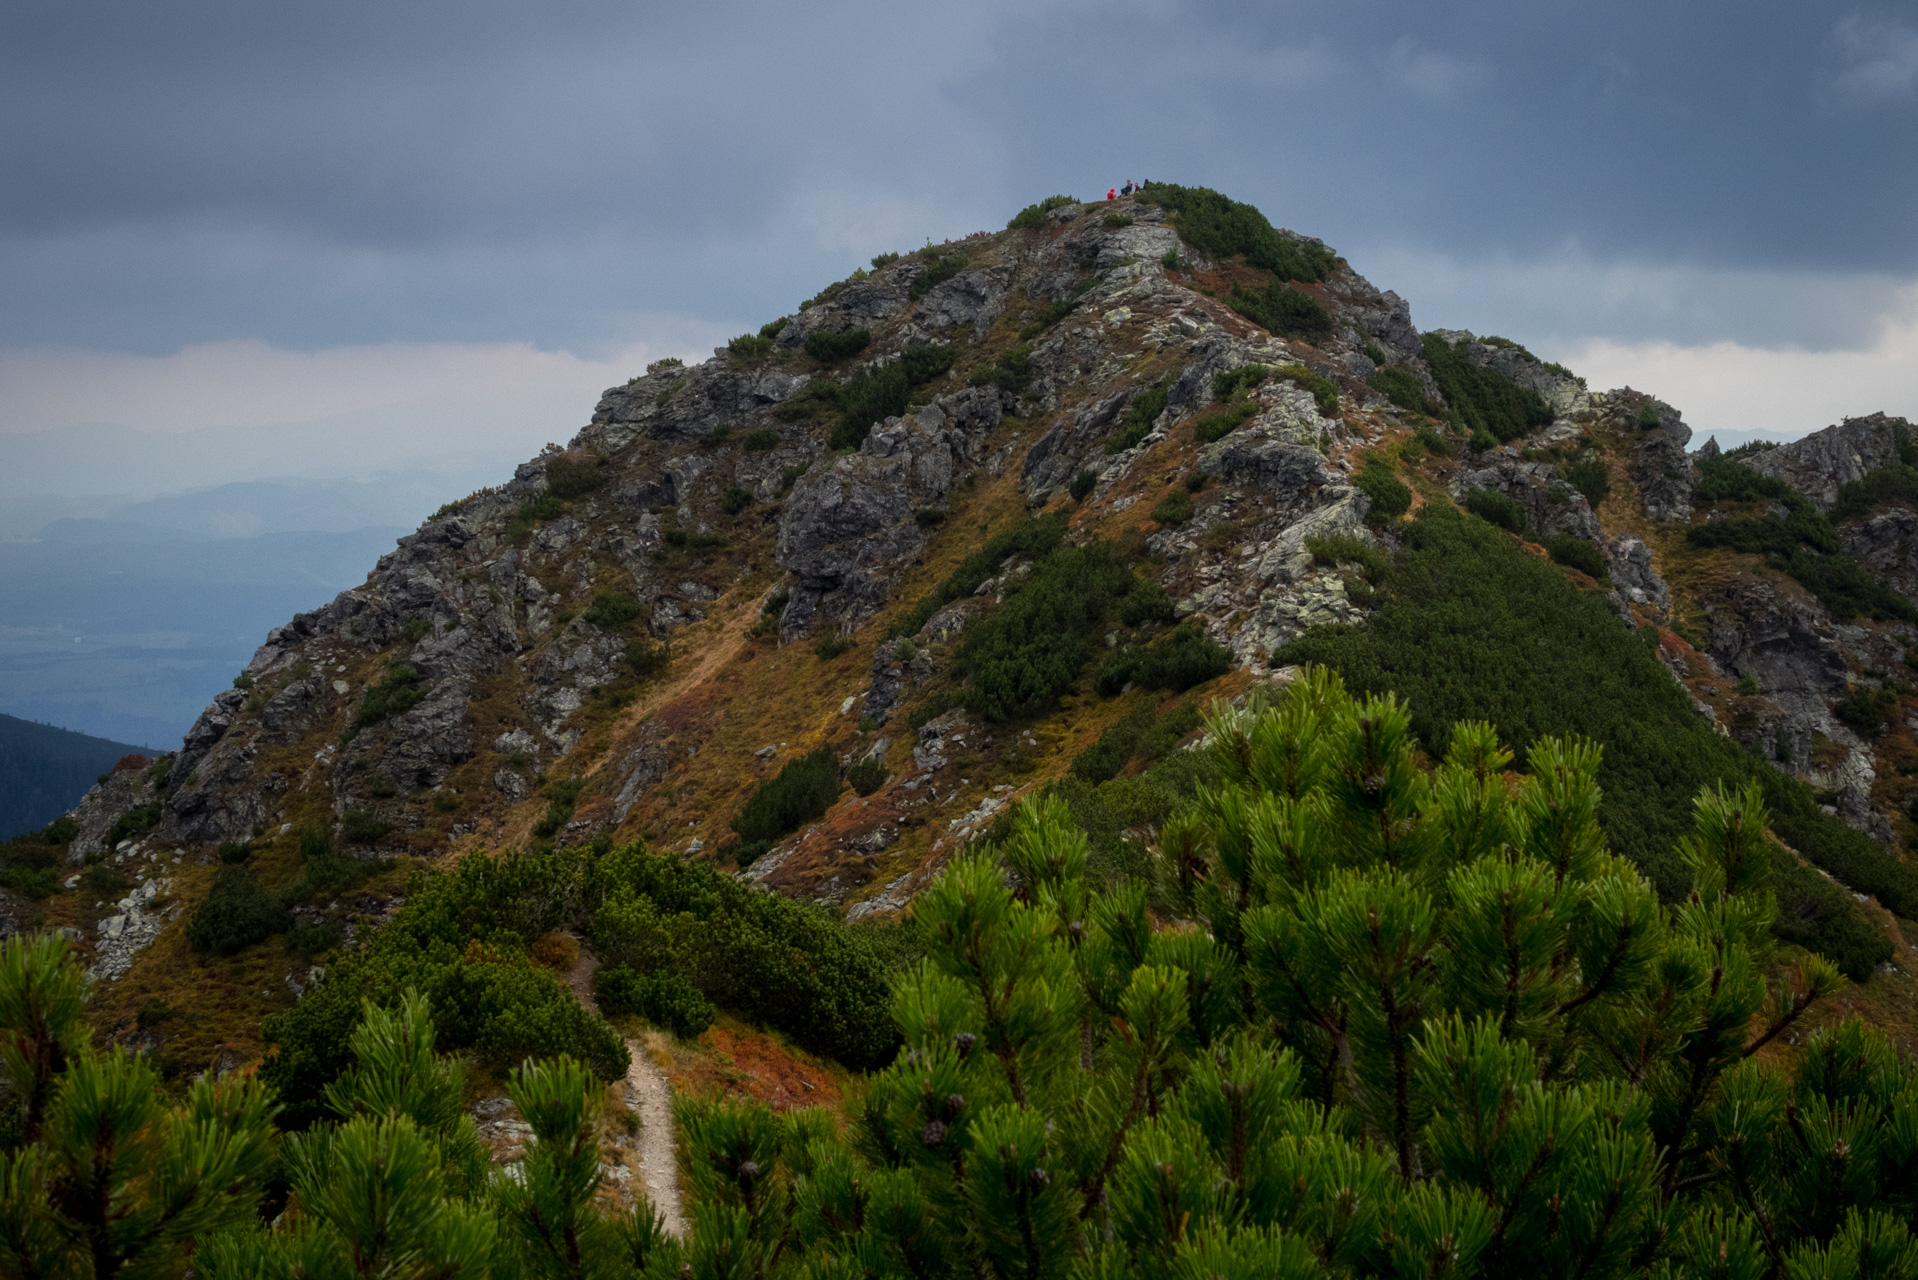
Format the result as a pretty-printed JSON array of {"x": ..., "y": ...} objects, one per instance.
[
  {"x": 1402, "y": 387},
  {"x": 1866, "y": 711},
  {"x": 936, "y": 267},
  {"x": 1115, "y": 221},
  {"x": 818, "y": 395},
  {"x": 1588, "y": 474},
  {"x": 562, "y": 798},
  {"x": 831, "y": 348},
  {"x": 717, "y": 436},
  {"x": 1648, "y": 418},
  {"x": 1322, "y": 390},
  {"x": 1049, "y": 314},
  {"x": 1725, "y": 479},
  {"x": 1177, "y": 661},
  {"x": 735, "y": 500},
  {"x": 29, "y": 868},
  {"x": 362, "y": 826},
  {"x": 1033, "y": 539},
  {"x": 1140, "y": 414},
  {"x": 764, "y": 440},
  {"x": 872, "y": 396},
  {"x": 1220, "y": 227},
  {"x": 1483, "y": 400},
  {"x": 1019, "y": 659},
  {"x": 1173, "y": 509},
  {"x": 1083, "y": 484},
  {"x": 1034, "y": 215},
  {"x": 1197, "y": 482},
  {"x": 1497, "y": 508},
  {"x": 924, "y": 361},
  {"x": 883, "y": 260},
  {"x": 830, "y": 646},
  {"x": 133, "y": 824},
  {"x": 1146, "y": 602},
  {"x": 800, "y": 793},
  {"x": 648, "y": 657},
  {"x": 395, "y": 695},
  {"x": 1333, "y": 549},
  {"x": 612, "y": 610},
  {"x": 750, "y": 346},
  {"x": 325, "y": 869},
  {"x": 568, "y": 478},
  {"x": 1283, "y": 311},
  {"x": 415, "y": 628},
  {"x": 236, "y": 914},
  {"x": 1574, "y": 552},
  {"x": 1103, "y": 760},
  {"x": 1219, "y": 423},
  {"x": 1389, "y": 495},
  {"x": 663, "y": 999},
  {"x": 1471, "y": 627},
  {"x": 929, "y": 517},
  {"x": 1244, "y": 378},
  {"x": 867, "y": 776},
  {"x": 532, "y": 513},
  {"x": 1011, "y": 371}
]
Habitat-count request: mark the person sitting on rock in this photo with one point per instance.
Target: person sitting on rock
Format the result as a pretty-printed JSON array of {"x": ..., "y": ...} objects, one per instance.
[
  {"x": 1111, "y": 194},
  {"x": 1126, "y": 190}
]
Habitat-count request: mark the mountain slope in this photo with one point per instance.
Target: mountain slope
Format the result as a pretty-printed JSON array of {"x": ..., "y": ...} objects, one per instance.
[
  {"x": 997, "y": 516},
  {"x": 45, "y": 770}
]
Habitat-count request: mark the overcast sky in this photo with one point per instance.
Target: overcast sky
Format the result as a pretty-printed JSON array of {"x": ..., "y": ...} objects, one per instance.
[{"x": 463, "y": 219}]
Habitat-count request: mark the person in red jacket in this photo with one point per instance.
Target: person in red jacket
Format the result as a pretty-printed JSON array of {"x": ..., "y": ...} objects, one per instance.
[{"x": 1111, "y": 194}]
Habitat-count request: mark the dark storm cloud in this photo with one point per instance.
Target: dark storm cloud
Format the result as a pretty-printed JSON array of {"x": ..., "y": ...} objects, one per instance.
[{"x": 362, "y": 172}]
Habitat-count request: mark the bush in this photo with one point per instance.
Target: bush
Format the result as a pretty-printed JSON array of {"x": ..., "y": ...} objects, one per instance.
[
  {"x": 883, "y": 260},
  {"x": 1115, "y": 221},
  {"x": 648, "y": 657},
  {"x": 396, "y": 695},
  {"x": 362, "y": 826},
  {"x": 1034, "y": 215},
  {"x": 872, "y": 396},
  {"x": 924, "y": 361},
  {"x": 1402, "y": 387},
  {"x": 735, "y": 500},
  {"x": 562, "y": 797},
  {"x": 568, "y": 478},
  {"x": 1588, "y": 474},
  {"x": 1173, "y": 509},
  {"x": 1011, "y": 371},
  {"x": 750, "y": 346},
  {"x": 831, "y": 348},
  {"x": 1322, "y": 390},
  {"x": 1433, "y": 441},
  {"x": 1866, "y": 711},
  {"x": 1177, "y": 661},
  {"x": 1484, "y": 401},
  {"x": 1140, "y": 414},
  {"x": 818, "y": 395},
  {"x": 1103, "y": 760},
  {"x": 867, "y": 776},
  {"x": 1389, "y": 496},
  {"x": 1033, "y": 539},
  {"x": 1220, "y": 227},
  {"x": 1083, "y": 484},
  {"x": 1725, "y": 479},
  {"x": 1244, "y": 378},
  {"x": 663, "y": 999},
  {"x": 1497, "y": 508},
  {"x": 133, "y": 824},
  {"x": 612, "y": 610},
  {"x": 929, "y": 517},
  {"x": 324, "y": 869},
  {"x": 1575, "y": 553},
  {"x": 764, "y": 440},
  {"x": 236, "y": 914},
  {"x": 828, "y": 647},
  {"x": 1023, "y": 655},
  {"x": 1221, "y": 422},
  {"x": 1472, "y": 627},
  {"x": 1333, "y": 549},
  {"x": 800, "y": 793},
  {"x": 1283, "y": 311},
  {"x": 936, "y": 267}
]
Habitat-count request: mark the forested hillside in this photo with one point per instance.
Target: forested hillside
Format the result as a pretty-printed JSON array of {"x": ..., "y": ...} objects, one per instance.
[{"x": 45, "y": 770}]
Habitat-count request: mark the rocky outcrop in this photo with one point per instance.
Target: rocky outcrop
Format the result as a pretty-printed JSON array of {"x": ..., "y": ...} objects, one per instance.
[
  {"x": 848, "y": 528},
  {"x": 1551, "y": 505},
  {"x": 1821, "y": 463},
  {"x": 1888, "y": 543},
  {"x": 1629, "y": 562},
  {"x": 1659, "y": 463}
]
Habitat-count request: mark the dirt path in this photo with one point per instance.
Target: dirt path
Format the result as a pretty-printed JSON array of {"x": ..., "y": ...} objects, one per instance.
[{"x": 651, "y": 1097}]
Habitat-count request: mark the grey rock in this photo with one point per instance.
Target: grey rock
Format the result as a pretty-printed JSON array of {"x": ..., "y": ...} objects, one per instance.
[
  {"x": 1551, "y": 505},
  {"x": 1661, "y": 467},
  {"x": 1821, "y": 463},
  {"x": 1888, "y": 542},
  {"x": 975, "y": 297},
  {"x": 1629, "y": 562}
]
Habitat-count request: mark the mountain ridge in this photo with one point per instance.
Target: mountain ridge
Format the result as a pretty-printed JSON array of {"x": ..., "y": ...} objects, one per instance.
[{"x": 832, "y": 538}]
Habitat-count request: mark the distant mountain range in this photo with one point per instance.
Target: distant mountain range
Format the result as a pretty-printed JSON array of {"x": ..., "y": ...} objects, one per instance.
[{"x": 45, "y": 770}]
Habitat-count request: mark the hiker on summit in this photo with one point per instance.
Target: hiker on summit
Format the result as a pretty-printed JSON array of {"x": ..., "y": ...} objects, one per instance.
[
  {"x": 1127, "y": 189},
  {"x": 1111, "y": 194}
]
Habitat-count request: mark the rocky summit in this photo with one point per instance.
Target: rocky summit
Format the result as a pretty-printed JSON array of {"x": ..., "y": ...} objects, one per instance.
[{"x": 994, "y": 517}]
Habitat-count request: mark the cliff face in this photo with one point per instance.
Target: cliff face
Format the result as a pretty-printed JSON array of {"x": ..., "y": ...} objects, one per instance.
[{"x": 497, "y": 678}]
